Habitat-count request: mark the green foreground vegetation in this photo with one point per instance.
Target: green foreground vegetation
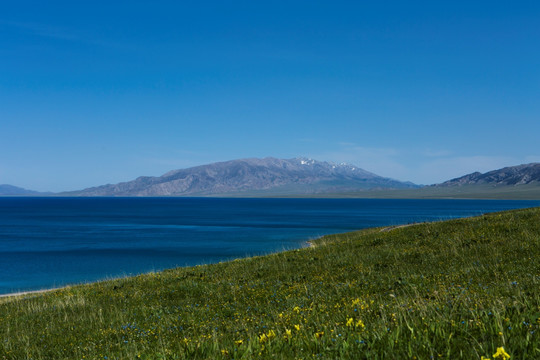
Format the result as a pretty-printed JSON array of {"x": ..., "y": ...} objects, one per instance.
[{"x": 460, "y": 289}]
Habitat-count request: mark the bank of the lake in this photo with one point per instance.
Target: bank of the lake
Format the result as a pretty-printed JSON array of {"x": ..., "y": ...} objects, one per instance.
[{"x": 52, "y": 242}]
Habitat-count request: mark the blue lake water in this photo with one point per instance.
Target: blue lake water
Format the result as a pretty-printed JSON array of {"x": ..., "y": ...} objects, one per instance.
[{"x": 50, "y": 242}]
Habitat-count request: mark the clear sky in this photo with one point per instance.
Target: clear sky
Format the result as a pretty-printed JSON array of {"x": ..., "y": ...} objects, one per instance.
[{"x": 95, "y": 92}]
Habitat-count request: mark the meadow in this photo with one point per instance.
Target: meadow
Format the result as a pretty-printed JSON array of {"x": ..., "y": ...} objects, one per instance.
[{"x": 459, "y": 289}]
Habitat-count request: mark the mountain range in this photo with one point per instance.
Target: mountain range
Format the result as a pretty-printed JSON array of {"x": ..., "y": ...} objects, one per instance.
[
  {"x": 250, "y": 177},
  {"x": 308, "y": 177}
]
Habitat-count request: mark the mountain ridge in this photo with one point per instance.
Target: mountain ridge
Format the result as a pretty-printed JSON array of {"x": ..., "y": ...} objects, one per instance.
[
  {"x": 509, "y": 176},
  {"x": 11, "y": 190},
  {"x": 268, "y": 175}
]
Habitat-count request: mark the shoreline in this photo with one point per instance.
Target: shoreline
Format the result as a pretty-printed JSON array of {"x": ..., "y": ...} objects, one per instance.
[
  {"x": 30, "y": 292},
  {"x": 309, "y": 244},
  {"x": 304, "y": 245}
]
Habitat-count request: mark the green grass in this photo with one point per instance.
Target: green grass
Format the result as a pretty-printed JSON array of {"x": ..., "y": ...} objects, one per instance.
[{"x": 457, "y": 289}]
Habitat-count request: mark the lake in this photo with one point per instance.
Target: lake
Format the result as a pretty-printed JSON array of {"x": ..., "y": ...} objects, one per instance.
[{"x": 50, "y": 242}]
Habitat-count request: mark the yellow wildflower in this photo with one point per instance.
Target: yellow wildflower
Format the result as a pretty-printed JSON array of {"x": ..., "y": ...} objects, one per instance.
[
  {"x": 360, "y": 324},
  {"x": 271, "y": 334},
  {"x": 484, "y": 358},
  {"x": 319, "y": 334},
  {"x": 350, "y": 322},
  {"x": 224, "y": 352},
  {"x": 501, "y": 353},
  {"x": 296, "y": 309},
  {"x": 356, "y": 302},
  {"x": 239, "y": 342},
  {"x": 297, "y": 327},
  {"x": 263, "y": 338},
  {"x": 288, "y": 333}
]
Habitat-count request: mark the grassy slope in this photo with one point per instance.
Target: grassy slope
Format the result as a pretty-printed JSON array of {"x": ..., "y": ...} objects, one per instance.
[{"x": 454, "y": 289}]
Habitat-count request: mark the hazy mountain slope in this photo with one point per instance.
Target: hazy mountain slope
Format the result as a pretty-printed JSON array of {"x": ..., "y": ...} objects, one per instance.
[
  {"x": 263, "y": 176},
  {"x": 10, "y": 190},
  {"x": 513, "y": 175}
]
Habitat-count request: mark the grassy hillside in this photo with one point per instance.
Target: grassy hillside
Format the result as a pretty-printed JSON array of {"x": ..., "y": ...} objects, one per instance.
[{"x": 456, "y": 289}]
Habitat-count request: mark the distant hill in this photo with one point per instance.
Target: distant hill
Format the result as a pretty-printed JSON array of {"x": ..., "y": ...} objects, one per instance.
[
  {"x": 514, "y": 182},
  {"x": 512, "y": 176},
  {"x": 10, "y": 190},
  {"x": 252, "y": 177}
]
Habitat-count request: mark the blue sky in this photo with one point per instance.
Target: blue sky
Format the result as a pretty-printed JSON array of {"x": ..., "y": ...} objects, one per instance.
[{"x": 102, "y": 92}]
